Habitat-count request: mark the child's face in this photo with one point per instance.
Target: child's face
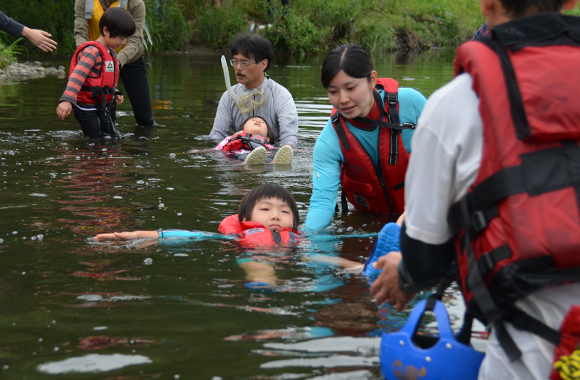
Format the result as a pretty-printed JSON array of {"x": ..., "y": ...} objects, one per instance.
[
  {"x": 256, "y": 126},
  {"x": 113, "y": 42},
  {"x": 273, "y": 213}
]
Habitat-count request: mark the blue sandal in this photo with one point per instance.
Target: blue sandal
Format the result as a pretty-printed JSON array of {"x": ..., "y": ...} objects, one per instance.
[{"x": 387, "y": 241}]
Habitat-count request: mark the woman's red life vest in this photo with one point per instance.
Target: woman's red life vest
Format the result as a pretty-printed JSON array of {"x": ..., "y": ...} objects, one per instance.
[
  {"x": 252, "y": 234},
  {"x": 518, "y": 228},
  {"x": 93, "y": 89},
  {"x": 243, "y": 140},
  {"x": 375, "y": 189}
]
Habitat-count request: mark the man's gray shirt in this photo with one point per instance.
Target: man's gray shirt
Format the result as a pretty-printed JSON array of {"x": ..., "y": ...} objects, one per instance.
[{"x": 278, "y": 110}]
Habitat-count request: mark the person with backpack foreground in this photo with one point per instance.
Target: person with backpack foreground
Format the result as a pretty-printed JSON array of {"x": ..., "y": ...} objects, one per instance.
[
  {"x": 365, "y": 145},
  {"x": 493, "y": 186}
]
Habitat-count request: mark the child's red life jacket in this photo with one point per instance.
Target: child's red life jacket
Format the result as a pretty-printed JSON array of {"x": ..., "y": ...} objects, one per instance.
[
  {"x": 252, "y": 234},
  {"x": 100, "y": 90},
  {"x": 246, "y": 141},
  {"x": 375, "y": 189}
]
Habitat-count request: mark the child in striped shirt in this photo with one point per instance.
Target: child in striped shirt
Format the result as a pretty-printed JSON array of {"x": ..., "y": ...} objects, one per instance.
[{"x": 91, "y": 88}]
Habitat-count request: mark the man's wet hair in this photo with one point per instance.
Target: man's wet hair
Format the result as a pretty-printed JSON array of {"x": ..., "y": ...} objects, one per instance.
[
  {"x": 271, "y": 136},
  {"x": 252, "y": 45},
  {"x": 118, "y": 21},
  {"x": 352, "y": 59},
  {"x": 265, "y": 191},
  {"x": 522, "y": 8}
]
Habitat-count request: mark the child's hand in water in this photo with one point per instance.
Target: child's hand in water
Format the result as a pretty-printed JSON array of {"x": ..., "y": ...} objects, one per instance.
[
  {"x": 127, "y": 235},
  {"x": 64, "y": 109}
]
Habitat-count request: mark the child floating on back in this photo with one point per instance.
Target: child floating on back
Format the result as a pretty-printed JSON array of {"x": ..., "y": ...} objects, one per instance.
[
  {"x": 94, "y": 72},
  {"x": 269, "y": 211},
  {"x": 267, "y": 216},
  {"x": 252, "y": 142}
]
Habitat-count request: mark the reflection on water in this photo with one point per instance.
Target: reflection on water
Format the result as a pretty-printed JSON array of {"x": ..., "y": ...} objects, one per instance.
[{"x": 174, "y": 308}]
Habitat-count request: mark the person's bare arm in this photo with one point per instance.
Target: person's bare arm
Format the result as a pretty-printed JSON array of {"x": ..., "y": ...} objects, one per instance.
[{"x": 128, "y": 235}]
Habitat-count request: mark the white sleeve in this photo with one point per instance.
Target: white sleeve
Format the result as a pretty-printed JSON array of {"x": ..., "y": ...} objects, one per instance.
[{"x": 447, "y": 148}]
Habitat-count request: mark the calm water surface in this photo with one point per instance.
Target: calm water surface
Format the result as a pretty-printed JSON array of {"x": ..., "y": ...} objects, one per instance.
[{"x": 176, "y": 309}]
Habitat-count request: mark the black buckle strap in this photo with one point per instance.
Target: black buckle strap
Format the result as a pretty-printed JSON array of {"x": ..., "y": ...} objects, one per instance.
[
  {"x": 488, "y": 261},
  {"x": 522, "y": 321},
  {"x": 276, "y": 236},
  {"x": 340, "y": 131},
  {"x": 506, "y": 342},
  {"x": 518, "y": 112}
]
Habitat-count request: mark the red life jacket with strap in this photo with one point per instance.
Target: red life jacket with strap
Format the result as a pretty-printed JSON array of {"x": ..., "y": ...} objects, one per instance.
[
  {"x": 518, "y": 228},
  {"x": 252, "y": 234},
  {"x": 100, "y": 90},
  {"x": 377, "y": 189},
  {"x": 243, "y": 140}
]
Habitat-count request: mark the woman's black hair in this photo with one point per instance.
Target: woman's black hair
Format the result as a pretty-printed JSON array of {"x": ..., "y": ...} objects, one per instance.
[
  {"x": 352, "y": 59},
  {"x": 271, "y": 136},
  {"x": 118, "y": 21},
  {"x": 521, "y": 8},
  {"x": 265, "y": 191},
  {"x": 252, "y": 45}
]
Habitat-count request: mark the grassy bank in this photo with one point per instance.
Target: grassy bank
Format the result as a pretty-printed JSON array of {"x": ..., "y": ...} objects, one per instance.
[{"x": 307, "y": 27}]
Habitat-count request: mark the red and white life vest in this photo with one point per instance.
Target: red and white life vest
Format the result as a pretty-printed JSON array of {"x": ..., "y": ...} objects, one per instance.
[
  {"x": 93, "y": 89},
  {"x": 252, "y": 234},
  {"x": 375, "y": 189},
  {"x": 518, "y": 228},
  {"x": 245, "y": 141}
]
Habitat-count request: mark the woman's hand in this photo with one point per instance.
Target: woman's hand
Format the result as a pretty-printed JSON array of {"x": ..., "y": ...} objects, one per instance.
[
  {"x": 120, "y": 99},
  {"x": 39, "y": 38}
]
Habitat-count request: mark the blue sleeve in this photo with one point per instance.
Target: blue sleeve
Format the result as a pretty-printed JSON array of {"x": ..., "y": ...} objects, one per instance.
[
  {"x": 327, "y": 158},
  {"x": 411, "y": 103},
  {"x": 185, "y": 234}
]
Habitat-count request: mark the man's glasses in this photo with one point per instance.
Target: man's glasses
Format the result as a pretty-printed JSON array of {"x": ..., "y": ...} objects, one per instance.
[{"x": 243, "y": 64}]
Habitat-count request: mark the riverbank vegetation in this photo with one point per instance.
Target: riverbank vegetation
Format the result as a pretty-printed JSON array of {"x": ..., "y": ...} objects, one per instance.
[{"x": 307, "y": 27}]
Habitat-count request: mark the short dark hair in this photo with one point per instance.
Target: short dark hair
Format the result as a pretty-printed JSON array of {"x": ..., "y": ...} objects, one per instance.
[
  {"x": 352, "y": 59},
  {"x": 271, "y": 136},
  {"x": 521, "y": 8},
  {"x": 252, "y": 45},
  {"x": 118, "y": 21},
  {"x": 264, "y": 191}
]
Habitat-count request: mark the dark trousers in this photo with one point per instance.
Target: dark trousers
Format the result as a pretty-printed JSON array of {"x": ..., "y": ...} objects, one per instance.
[
  {"x": 134, "y": 78},
  {"x": 95, "y": 126}
]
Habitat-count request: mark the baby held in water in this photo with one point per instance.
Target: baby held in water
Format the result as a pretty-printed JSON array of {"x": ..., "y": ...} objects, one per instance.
[{"x": 252, "y": 143}]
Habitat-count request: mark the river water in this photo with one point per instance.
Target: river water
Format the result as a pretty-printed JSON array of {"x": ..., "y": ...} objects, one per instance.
[{"x": 176, "y": 309}]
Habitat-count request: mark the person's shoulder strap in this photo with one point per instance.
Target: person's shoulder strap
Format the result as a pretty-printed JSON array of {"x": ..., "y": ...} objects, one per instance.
[{"x": 89, "y": 5}]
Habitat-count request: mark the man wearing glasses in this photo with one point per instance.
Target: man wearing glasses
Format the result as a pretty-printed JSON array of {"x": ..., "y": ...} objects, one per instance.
[{"x": 252, "y": 56}]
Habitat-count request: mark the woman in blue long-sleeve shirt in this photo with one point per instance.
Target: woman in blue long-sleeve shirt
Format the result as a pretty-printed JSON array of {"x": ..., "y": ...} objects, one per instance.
[{"x": 366, "y": 143}]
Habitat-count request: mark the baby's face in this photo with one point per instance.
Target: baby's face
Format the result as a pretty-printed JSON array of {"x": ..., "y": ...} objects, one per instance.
[{"x": 256, "y": 126}]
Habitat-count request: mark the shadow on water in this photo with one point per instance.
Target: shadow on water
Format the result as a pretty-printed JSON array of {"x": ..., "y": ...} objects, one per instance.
[{"x": 173, "y": 309}]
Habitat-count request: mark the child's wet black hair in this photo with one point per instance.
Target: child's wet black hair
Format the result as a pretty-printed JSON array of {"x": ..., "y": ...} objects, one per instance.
[
  {"x": 271, "y": 136},
  {"x": 265, "y": 191},
  {"x": 118, "y": 21}
]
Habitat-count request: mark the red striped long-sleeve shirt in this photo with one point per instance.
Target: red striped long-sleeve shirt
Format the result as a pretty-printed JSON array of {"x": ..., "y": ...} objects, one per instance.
[{"x": 90, "y": 64}]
